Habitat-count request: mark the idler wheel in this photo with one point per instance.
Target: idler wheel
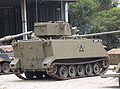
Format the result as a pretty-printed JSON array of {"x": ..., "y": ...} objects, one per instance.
[
  {"x": 5, "y": 67},
  {"x": 80, "y": 70},
  {"x": 88, "y": 69},
  {"x": 105, "y": 63},
  {"x": 63, "y": 72},
  {"x": 96, "y": 68},
  {"x": 72, "y": 71}
]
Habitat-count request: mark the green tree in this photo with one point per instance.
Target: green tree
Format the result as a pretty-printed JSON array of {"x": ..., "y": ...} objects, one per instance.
[
  {"x": 96, "y": 16},
  {"x": 104, "y": 4},
  {"x": 81, "y": 12},
  {"x": 107, "y": 20}
]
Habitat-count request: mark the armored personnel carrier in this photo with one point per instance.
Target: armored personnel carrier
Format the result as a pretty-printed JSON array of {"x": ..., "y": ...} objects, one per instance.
[
  {"x": 6, "y": 53},
  {"x": 54, "y": 52}
]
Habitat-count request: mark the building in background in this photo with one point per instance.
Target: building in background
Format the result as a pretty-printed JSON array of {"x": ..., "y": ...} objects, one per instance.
[{"x": 37, "y": 11}]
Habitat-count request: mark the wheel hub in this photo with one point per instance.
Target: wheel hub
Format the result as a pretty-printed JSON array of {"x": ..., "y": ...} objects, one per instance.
[
  {"x": 5, "y": 67},
  {"x": 63, "y": 72},
  {"x": 72, "y": 71},
  {"x": 89, "y": 69}
]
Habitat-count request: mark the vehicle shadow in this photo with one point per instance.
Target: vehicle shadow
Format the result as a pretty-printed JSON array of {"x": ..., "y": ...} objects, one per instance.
[
  {"x": 45, "y": 79},
  {"x": 112, "y": 87},
  {"x": 42, "y": 79}
]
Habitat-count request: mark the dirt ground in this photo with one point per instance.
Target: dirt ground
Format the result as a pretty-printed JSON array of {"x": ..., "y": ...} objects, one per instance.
[{"x": 12, "y": 82}]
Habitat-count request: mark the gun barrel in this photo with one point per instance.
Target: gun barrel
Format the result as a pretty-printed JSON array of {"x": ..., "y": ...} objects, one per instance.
[
  {"x": 97, "y": 34},
  {"x": 10, "y": 37}
]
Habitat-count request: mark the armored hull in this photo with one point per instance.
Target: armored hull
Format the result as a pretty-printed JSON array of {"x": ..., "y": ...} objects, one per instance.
[{"x": 53, "y": 57}]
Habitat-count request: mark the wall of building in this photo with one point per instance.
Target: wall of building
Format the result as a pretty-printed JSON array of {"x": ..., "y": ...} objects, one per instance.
[
  {"x": 47, "y": 11},
  {"x": 10, "y": 14}
]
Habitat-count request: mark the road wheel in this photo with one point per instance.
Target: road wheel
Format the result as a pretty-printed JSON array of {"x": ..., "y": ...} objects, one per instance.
[
  {"x": 96, "y": 68},
  {"x": 88, "y": 69},
  {"x": 72, "y": 71},
  {"x": 5, "y": 67},
  {"x": 63, "y": 72},
  {"x": 81, "y": 70}
]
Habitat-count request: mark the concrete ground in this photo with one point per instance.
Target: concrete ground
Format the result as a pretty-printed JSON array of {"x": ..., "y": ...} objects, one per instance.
[{"x": 12, "y": 82}]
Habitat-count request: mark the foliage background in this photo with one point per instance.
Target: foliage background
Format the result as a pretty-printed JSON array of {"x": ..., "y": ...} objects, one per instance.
[{"x": 92, "y": 16}]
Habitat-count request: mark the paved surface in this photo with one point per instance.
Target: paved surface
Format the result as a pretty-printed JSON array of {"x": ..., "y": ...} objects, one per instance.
[{"x": 12, "y": 82}]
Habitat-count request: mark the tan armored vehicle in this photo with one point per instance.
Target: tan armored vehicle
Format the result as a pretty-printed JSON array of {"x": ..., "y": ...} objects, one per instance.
[
  {"x": 6, "y": 53},
  {"x": 54, "y": 52}
]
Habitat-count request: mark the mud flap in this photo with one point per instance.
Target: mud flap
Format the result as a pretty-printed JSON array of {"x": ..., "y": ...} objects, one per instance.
[
  {"x": 15, "y": 63},
  {"x": 1, "y": 59}
]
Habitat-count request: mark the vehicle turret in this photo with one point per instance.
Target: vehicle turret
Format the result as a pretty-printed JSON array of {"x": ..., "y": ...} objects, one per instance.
[
  {"x": 50, "y": 29},
  {"x": 60, "y": 28}
]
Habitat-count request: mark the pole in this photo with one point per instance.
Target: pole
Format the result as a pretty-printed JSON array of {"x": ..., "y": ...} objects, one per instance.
[
  {"x": 36, "y": 12},
  {"x": 62, "y": 14},
  {"x": 24, "y": 18},
  {"x": 66, "y": 12}
]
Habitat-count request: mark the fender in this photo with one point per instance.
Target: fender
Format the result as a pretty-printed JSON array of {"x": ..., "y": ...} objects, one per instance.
[
  {"x": 47, "y": 62},
  {"x": 15, "y": 63}
]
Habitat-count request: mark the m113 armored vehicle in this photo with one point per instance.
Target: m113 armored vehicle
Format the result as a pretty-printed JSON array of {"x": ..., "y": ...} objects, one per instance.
[
  {"x": 54, "y": 52},
  {"x": 6, "y": 53}
]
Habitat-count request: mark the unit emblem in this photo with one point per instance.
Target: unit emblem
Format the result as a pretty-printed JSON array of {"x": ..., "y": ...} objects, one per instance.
[{"x": 81, "y": 48}]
